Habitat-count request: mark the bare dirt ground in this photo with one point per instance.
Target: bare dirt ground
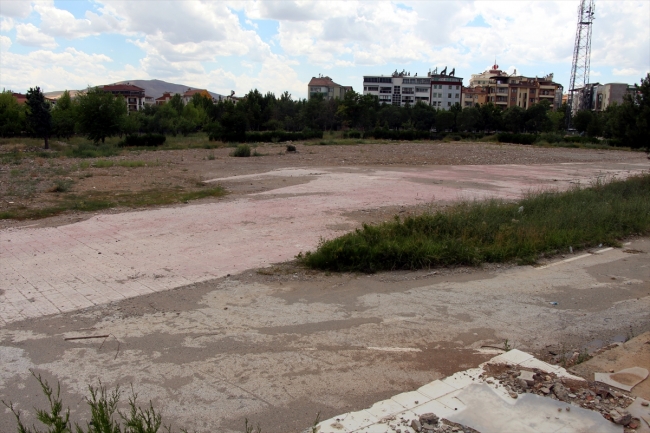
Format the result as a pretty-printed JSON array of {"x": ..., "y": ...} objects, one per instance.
[
  {"x": 271, "y": 341},
  {"x": 28, "y": 182}
]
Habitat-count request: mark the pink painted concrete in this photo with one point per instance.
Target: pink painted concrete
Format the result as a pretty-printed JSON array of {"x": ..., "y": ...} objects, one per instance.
[{"x": 111, "y": 257}]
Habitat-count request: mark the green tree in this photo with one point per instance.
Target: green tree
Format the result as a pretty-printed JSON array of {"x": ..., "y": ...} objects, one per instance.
[
  {"x": 582, "y": 119},
  {"x": 469, "y": 119},
  {"x": 99, "y": 114},
  {"x": 39, "y": 117},
  {"x": 445, "y": 120},
  {"x": 536, "y": 118},
  {"x": 514, "y": 119},
  {"x": 63, "y": 116},
  {"x": 12, "y": 115},
  {"x": 176, "y": 102}
]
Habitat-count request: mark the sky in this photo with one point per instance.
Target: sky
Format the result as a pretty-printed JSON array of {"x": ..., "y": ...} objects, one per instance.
[{"x": 277, "y": 46}]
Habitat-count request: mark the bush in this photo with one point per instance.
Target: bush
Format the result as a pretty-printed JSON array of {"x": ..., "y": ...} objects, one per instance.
[
  {"x": 509, "y": 137},
  {"x": 149, "y": 140},
  {"x": 352, "y": 134},
  {"x": 495, "y": 231},
  {"x": 89, "y": 150},
  {"x": 242, "y": 150},
  {"x": 550, "y": 138},
  {"x": 266, "y": 136},
  {"x": 291, "y": 148},
  {"x": 406, "y": 135}
]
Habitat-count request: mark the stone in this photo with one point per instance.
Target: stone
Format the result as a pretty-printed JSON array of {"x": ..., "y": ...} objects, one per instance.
[
  {"x": 620, "y": 416},
  {"x": 644, "y": 403},
  {"x": 634, "y": 424},
  {"x": 572, "y": 396},
  {"x": 415, "y": 425},
  {"x": 429, "y": 418},
  {"x": 560, "y": 391},
  {"x": 513, "y": 394},
  {"x": 522, "y": 383},
  {"x": 528, "y": 377},
  {"x": 545, "y": 390}
]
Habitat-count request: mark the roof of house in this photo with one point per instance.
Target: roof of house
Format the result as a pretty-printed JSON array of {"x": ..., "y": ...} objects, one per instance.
[
  {"x": 192, "y": 92},
  {"x": 123, "y": 87},
  {"x": 322, "y": 81},
  {"x": 165, "y": 96}
]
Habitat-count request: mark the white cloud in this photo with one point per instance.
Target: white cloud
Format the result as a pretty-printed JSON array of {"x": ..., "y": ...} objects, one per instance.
[
  {"x": 5, "y": 43},
  {"x": 627, "y": 72},
  {"x": 16, "y": 8},
  {"x": 61, "y": 23},
  {"x": 29, "y": 35},
  {"x": 6, "y": 24}
]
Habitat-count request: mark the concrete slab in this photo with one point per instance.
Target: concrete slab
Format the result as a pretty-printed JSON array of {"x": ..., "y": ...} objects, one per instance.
[
  {"x": 124, "y": 255},
  {"x": 625, "y": 379},
  {"x": 489, "y": 413}
]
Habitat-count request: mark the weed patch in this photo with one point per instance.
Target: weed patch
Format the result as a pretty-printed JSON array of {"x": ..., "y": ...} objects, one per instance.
[
  {"x": 99, "y": 200},
  {"x": 88, "y": 150},
  {"x": 131, "y": 164},
  {"x": 242, "y": 151},
  {"x": 103, "y": 163},
  {"x": 61, "y": 185},
  {"x": 495, "y": 231}
]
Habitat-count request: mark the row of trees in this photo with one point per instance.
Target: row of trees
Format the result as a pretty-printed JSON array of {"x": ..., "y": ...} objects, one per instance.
[{"x": 97, "y": 115}]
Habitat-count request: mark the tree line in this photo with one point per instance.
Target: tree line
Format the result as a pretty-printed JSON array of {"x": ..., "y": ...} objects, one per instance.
[{"x": 97, "y": 115}]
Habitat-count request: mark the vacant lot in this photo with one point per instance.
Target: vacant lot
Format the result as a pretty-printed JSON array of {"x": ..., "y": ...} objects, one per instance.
[{"x": 36, "y": 184}]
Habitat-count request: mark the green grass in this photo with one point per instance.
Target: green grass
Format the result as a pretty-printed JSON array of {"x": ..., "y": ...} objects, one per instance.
[
  {"x": 131, "y": 164},
  {"x": 103, "y": 163},
  {"x": 242, "y": 151},
  {"x": 94, "y": 201},
  {"x": 495, "y": 231}
]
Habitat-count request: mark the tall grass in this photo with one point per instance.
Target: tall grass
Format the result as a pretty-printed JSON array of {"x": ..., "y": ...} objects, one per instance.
[{"x": 495, "y": 231}]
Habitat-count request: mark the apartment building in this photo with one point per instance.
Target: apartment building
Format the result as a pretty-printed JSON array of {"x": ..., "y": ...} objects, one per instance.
[
  {"x": 471, "y": 96},
  {"x": 133, "y": 95},
  {"x": 597, "y": 97},
  {"x": 326, "y": 87},
  {"x": 436, "y": 89},
  {"x": 514, "y": 90}
]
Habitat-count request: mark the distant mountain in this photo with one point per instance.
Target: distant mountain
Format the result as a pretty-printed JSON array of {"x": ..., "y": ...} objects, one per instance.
[{"x": 153, "y": 88}]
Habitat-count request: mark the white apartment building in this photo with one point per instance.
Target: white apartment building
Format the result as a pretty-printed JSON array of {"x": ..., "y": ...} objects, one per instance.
[{"x": 439, "y": 90}]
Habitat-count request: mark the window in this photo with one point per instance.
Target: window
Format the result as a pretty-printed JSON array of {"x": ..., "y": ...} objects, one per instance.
[
  {"x": 365, "y": 88},
  {"x": 457, "y": 87},
  {"x": 448, "y": 104},
  {"x": 449, "y": 95},
  {"x": 514, "y": 90},
  {"x": 407, "y": 90},
  {"x": 385, "y": 90},
  {"x": 422, "y": 81},
  {"x": 408, "y": 81},
  {"x": 385, "y": 80},
  {"x": 457, "y": 95},
  {"x": 373, "y": 89},
  {"x": 385, "y": 98},
  {"x": 370, "y": 80},
  {"x": 450, "y": 87},
  {"x": 532, "y": 91},
  {"x": 421, "y": 90}
]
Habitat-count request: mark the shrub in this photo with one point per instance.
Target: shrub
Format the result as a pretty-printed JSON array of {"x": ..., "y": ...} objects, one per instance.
[
  {"x": 88, "y": 150},
  {"x": 407, "y": 135},
  {"x": 61, "y": 185},
  {"x": 149, "y": 140},
  {"x": 509, "y": 137},
  {"x": 242, "y": 150},
  {"x": 103, "y": 163},
  {"x": 352, "y": 134},
  {"x": 291, "y": 148}
]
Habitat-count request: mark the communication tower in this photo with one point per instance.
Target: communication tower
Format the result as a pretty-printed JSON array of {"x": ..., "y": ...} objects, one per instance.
[{"x": 581, "y": 57}]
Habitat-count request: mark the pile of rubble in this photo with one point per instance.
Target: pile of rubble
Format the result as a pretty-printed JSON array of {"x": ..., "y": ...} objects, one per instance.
[
  {"x": 427, "y": 423},
  {"x": 609, "y": 402}
]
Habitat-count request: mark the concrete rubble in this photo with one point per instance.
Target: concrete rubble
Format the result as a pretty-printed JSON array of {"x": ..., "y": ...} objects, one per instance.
[{"x": 511, "y": 392}]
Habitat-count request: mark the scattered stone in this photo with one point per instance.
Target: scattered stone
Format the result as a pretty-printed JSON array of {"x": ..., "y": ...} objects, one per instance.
[
  {"x": 522, "y": 384},
  {"x": 545, "y": 390},
  {"x": 644, "y": 403},
  {"x": 415, "y": 425},
  {"x": 429, "y": 418},
  {"x": 560, "y": 392},
  {"x": 634, "y": 424},
  {"x": 513, "y": 394},
  {"x": 620, "y": 416}
]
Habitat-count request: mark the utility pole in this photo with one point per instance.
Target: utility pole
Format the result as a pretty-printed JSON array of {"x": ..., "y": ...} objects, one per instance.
[{"x": 581, "y": 56}]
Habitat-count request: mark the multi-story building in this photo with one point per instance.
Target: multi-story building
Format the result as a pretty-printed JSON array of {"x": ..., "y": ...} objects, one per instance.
[
  {"x": 597, "y": 97},
  {"x": 472, "y": 96},
  {"x": 513, "y": 90},
  {"x": 438, "y": 90},
  {"x": 326, "y": 87},
  {"x": 133, "y": 95}
]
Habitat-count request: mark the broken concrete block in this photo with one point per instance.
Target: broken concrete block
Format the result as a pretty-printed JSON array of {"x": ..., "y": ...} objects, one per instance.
[{"x": 625, "y": 379}]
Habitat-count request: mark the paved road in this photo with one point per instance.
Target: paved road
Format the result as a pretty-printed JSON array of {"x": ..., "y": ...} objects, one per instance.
[
  {"x": 279, "y": 348},
  {"x": 118, "y": 256}
]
